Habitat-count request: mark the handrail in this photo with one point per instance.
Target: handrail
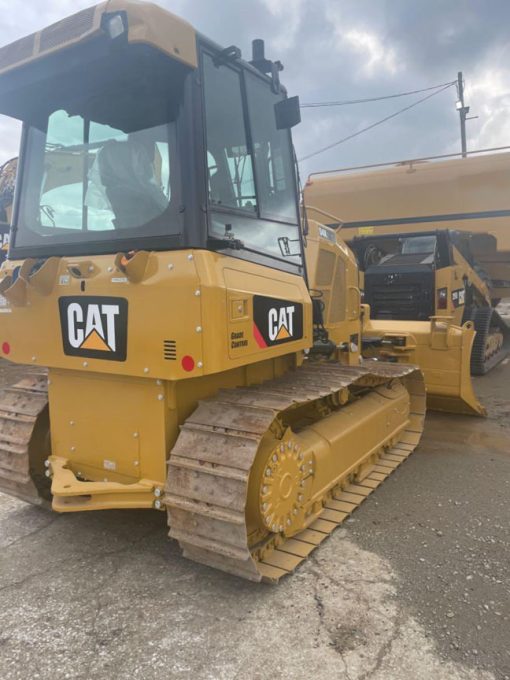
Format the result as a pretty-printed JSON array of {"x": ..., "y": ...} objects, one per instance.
[{"x": 407, "y": 162}]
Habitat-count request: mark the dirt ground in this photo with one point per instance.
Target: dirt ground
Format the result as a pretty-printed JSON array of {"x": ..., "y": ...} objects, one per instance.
[{"x": 415, "y": 586}]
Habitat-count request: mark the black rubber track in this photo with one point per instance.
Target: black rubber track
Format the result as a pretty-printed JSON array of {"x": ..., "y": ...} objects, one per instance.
[{"x": 484, "y": 319}]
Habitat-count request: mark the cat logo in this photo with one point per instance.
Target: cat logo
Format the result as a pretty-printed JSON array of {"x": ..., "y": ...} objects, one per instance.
[
  {"x": 276, "y": 321},
  {"x": 94, "y": 327},
  {"x": 281, "y": 325}
]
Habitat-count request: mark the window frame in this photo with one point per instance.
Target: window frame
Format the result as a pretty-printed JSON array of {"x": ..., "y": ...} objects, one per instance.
[
  {"x": 260, "y": 256},
  {"x": 193, "y": 223}
]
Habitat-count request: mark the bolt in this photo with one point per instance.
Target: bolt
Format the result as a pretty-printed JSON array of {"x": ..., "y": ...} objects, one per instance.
[
  {"x": 160, "y": 397},
  {"x": 47, "y": 463},
  {"x": 157, "y": 492},
  {"x": 197, "y": 293},
  {"x": 199, "y": 364},
  {"x": 136, "y": 463},
  {"x": 47, "y": 473},
  {"x": 264, "y": 506},
  {"x": 268, "y": 472},
  {"x": 159, "y": 382},
  {"x": 157, "y": 505},
  {"x": 145, "y": 370},
  {"x": 73, "y": 448},
  {"x": 33, "y": 358},
  {"x": 264, "y": 489},
  {"x": 71, "y": 422},
  {"x": 91, "y": 268},
  {"x": 300, "y": 498},
  {"x": 170, "y": 266},
  {"x": 190, "y": 256},
  {"x": 135, "y": 435},
  {"x": 85, "y": 364},
  {"x": 198, "y": 329},
  {"x": 275, "y": 458},
  {"x": 110, "y": 269}
]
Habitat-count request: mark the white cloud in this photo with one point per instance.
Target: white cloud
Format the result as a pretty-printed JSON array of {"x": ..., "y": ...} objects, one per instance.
[
  {"x": 377, "y": 56},
  {"x": 488, "y": 94},
  {"x": 289, "y": 14},
  {"x": 374, "y": 56}
]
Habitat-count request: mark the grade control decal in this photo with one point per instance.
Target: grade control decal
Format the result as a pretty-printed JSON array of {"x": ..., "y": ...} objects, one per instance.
[
  {"x": 459, "y": 297},
  {"x": 276, "y": 321}
]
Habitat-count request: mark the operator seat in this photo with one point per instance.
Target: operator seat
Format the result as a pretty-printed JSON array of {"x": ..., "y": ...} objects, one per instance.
[{"x": 127, "y": 175}]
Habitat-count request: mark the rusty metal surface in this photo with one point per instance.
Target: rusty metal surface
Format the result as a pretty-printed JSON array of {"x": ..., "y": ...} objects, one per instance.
[
  {"x": 208, "y": 476},
  {"x": 20, "y": 405}
]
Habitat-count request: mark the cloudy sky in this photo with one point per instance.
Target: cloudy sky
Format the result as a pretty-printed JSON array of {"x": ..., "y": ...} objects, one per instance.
[{"x": 350, "y": 49}]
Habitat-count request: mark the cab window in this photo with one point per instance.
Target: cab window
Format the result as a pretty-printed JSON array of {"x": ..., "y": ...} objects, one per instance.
[{"x": 250, "y": 171}]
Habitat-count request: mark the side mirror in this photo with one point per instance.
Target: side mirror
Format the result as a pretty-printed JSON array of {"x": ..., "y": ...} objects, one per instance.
[{"x": 287, "y": 113}]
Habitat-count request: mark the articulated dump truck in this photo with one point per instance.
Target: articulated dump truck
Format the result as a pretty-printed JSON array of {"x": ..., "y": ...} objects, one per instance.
[
  {"x": 189, "y": 349},
  {"x": 432, "y": 240}
]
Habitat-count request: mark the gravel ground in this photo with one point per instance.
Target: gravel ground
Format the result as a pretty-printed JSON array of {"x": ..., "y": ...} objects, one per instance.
[{"x": 415, "y": 586}]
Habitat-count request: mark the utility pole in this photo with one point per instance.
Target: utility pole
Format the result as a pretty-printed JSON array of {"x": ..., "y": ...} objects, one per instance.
[{"x": 463, "y": 111}]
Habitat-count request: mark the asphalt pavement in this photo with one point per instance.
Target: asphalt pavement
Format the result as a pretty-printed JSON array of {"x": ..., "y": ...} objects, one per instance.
[{"x": 414, "y": 586}]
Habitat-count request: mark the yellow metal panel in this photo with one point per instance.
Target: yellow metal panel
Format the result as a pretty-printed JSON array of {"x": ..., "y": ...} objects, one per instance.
[
  {"x": 453, "y": 187},
  {"x": 153, "y": 25},
  {"x": 109, "y": 428}
]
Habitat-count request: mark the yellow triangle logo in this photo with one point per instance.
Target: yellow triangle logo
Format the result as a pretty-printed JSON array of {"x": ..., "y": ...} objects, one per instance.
[
  {"x": 95, "y": 341},
  {"x": 283, "y": 333}
]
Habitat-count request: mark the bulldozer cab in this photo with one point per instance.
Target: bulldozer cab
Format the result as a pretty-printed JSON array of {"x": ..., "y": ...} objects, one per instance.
[{"x": 154, "y": 145}]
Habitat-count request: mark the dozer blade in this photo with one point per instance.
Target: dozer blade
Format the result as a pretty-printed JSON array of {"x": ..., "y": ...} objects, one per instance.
[{"x": 441, "y": 349}]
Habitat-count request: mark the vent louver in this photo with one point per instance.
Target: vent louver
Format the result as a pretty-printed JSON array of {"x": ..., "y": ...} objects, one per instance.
[
  {"x": 17, "y": 51},
  {"x": 67, "y": 29},
  {"x": 169, "y": 350}
]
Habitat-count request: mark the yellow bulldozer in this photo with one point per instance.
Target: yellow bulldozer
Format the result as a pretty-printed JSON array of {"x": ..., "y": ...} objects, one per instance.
[
  {"x": 431, "y": 239},
  {"x": 418, "y": 275},
  {"x": 195, "y": 345}
]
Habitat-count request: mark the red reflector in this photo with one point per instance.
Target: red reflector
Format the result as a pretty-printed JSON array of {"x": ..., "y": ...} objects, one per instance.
[
  {"x": 6, "y": 348},
  {"x": 188, "y": 363}
]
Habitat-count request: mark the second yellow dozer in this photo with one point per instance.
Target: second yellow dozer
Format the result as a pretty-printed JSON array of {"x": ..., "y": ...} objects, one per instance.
[
  {"x": 441, "y": 347},
  {"x": 192, "y": 348}
]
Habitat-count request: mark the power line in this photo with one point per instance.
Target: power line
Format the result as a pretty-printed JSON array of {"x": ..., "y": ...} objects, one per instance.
[
  {"x": 346, "y": 102},
  {"x": 378, "y": 122}
]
